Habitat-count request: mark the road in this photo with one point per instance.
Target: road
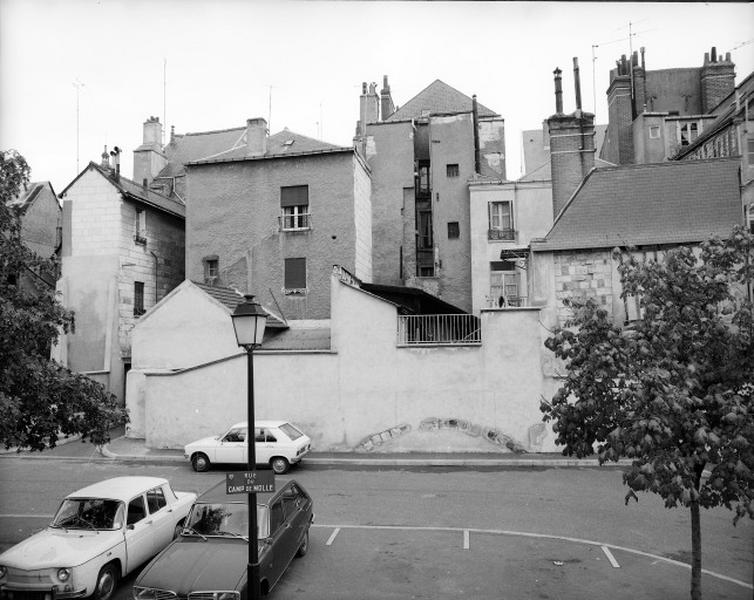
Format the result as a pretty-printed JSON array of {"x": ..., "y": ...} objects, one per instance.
[{"x": 444, "y": 533}]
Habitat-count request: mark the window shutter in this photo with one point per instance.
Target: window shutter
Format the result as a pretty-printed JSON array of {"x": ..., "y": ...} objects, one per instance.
[
  {"x": 295, "y": 273},
  {"x": 294, "y": 195}
]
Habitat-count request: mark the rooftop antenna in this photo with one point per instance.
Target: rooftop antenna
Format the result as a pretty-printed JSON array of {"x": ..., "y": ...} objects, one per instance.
[
  {"x": 269, "y": 109},
  {"x": 78, "y": 85},
  {"x": 164, "y": 99}
]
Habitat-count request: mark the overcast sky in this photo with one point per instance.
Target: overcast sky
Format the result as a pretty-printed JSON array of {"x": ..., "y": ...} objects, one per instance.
[{"x": 222, "y": 61}]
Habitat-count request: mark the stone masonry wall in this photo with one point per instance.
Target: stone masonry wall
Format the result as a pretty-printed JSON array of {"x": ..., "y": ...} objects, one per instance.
[{"x": 586, "y": 274}]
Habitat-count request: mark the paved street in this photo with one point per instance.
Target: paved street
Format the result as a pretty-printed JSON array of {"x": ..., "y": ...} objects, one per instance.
[{"x": 447, "y": 533}]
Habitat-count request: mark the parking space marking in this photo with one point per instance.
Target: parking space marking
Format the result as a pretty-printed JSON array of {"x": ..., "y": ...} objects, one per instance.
[
  {"x": 34, "y": 516},
  {"x": 543, "y": 536},
  {"x": 610, "y": 557},
  {"x": 465, "y": 539},
  {"x": 332, "y": 536}
]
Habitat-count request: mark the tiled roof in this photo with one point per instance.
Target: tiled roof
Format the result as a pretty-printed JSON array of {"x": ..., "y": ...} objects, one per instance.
[
  {"x": 283, "y": 143},
  {"x": 25, "y": 199},
  {"x": 544, "y": 171},
  {"x": 139, "y": 193},
  {"x": 662, "y": 203},
  {"x": 315, "y": 338},
  {"x": 189, "y": 147},
  {"x": 438, "y": 98},
  {"x": 231, "y": 298}
]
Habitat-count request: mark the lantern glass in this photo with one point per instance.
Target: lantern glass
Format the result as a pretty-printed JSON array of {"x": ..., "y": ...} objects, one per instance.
[{"x": 249, "y": 321}]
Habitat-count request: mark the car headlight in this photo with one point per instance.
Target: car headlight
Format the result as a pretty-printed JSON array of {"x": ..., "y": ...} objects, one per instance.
[
  {"x": 144, "y": 593},
  {"x": 3, "y": 571},
  {"x": 64, "y": 573},
  {"x": 228, "y": 595}
]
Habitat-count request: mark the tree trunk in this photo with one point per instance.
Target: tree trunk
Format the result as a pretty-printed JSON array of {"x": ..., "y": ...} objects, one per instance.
[{"x": 696, "y": 552}]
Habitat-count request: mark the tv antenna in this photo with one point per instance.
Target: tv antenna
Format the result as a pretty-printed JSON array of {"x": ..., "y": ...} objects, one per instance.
[{"x": 78, "y": 85}]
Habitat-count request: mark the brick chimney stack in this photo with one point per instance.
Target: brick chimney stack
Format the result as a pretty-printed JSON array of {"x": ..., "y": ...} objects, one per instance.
[
  {"x": 571, "y": 144},
  {"x": 149, "y": 158},
  {"x": 717, "y": 78},
  {"x": 387, "y": 107},
  {"x": 256, "y": 136},
  {"x": 619, "y": 140}
]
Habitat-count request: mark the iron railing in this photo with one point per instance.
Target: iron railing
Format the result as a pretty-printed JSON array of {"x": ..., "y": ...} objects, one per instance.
[
  {"x": 509, "y": 235},
  {"x": 438, "y": 330}
]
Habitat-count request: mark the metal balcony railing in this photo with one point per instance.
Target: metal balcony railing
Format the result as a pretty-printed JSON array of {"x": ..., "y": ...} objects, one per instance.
[
  {"x": 438, "y": 330},
  {"x": 508, "y": 235}
]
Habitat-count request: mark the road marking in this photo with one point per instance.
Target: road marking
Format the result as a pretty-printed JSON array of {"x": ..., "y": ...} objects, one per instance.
[
  {"x": 543, "y": 536},
  {"x": 610, "y": 557},
  {"x": 332, "y": 536},
  {"x": 465, "y": 539},
  {"x": 35, "y": 516}
]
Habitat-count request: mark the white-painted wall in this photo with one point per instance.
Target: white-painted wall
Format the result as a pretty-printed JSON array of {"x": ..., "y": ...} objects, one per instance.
[{"x": 341, "y": 398}]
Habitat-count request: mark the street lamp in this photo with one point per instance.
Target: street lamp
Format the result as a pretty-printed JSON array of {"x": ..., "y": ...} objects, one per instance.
[{"x": 249, "y": 321}]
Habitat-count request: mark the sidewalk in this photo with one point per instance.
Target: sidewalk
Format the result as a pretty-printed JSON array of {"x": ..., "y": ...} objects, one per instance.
[{"x": 126, "y": 449}]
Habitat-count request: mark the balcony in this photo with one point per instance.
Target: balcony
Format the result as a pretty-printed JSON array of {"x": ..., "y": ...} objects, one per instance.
[
  {"x": 505, "y": 235},
  {"x": 438, "y": 330},
  {"x": 295, "y": 222}
]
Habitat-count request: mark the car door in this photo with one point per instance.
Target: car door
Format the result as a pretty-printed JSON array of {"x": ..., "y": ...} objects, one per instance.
[
  {"x": 282, "y": 537},
  {"x": 140, "y": 542},
  {"x": 162, "y": 523},
  {"x": 232, "y": 448},
  {"x": 296, "y": 505},
  {"x": 264, "y": 445}
]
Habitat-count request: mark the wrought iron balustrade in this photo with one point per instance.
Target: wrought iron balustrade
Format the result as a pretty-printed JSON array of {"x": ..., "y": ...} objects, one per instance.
[{"x": 438, "y": 330}]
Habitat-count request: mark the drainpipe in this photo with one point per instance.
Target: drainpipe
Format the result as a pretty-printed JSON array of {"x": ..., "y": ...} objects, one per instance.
[
  {"x": 156, "y": 263},
  {"x": 475, "y": 118}
]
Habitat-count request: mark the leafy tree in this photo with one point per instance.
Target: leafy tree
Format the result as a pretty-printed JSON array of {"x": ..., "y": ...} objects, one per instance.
[
  {"x": 39, "y": 399},
  {"x": 674, "y": 393}
]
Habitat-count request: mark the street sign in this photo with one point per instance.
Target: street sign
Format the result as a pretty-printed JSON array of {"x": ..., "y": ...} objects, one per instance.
[{"x": 247, "y": 482}]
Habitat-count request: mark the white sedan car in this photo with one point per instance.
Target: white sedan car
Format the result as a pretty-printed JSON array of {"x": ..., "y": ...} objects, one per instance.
[
  {"x": 98, "y": 535},
  {"x": 278, "y": 443}
]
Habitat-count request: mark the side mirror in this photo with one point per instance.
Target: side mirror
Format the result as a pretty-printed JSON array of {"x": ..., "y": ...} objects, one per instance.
[{"x": 131, "y": 526}]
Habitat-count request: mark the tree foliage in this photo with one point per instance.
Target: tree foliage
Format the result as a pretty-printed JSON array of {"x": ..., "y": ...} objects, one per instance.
[
  {"x": 39, "y": 399},
  {"x": 674, "y": 391}
]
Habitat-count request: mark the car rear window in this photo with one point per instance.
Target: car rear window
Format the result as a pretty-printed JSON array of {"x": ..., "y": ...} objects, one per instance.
[{"x": 290, "y": 431}]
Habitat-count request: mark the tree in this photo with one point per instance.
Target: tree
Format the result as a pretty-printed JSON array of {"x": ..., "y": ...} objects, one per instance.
[
  {"x": 674, "y": 392},
  {"x": 39, "y": 399}
]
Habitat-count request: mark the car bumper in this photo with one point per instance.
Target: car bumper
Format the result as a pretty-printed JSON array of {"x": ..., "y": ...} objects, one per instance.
[{"x": 10, "y": 591}]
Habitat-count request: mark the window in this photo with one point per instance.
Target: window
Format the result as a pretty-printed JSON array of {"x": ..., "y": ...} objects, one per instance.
[
  {"x": 501, "y": 221},
  {"x": 750, "y": 150},
  {"x": 451, "y": 170},
  {"x": 136, "y": 510},
  {"x": 295, "y": 275},
  {"x": 294, "y": 202},
  {"x": 155, "y": 499},
  {"x": 424, "y": 233},
  {"x": 140, "y": 235},
  {"x": 654, "y": 132},
  {"x": 504, "y": 284},
  {"x": 687, "y": 133},
  {"x": 426, "y": 271},
  {"x": 453, "y": 230},
  {"x": 211, "y": 269},
  {"x": 422, "y": 177},
  {"x": 138, "y": 298}
]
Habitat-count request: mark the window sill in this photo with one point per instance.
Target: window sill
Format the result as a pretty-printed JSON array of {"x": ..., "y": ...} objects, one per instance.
[
  {"x": 295, "y": 291},
  {"x": 142, "y": 241}
]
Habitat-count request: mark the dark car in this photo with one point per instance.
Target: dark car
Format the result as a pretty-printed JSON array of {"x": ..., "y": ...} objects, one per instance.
[{"x": 208, "y": 560}]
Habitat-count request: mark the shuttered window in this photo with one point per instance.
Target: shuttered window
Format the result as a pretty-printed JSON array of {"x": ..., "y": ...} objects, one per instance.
[
  {"x": 294, "y": 195},
  {"x": 295, "y": 273}
]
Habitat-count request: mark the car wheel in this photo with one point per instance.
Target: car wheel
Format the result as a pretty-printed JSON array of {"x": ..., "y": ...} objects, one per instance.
[
  {"x": 279, "y": 465},
  {"x": 200, "y": 462},
  {"x": 178, "y": 529},
  {"x": 304, "y": 547},
  {"x": 107, "y": 580}
]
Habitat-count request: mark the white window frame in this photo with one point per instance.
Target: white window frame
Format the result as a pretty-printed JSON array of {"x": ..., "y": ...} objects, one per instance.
[{"x": 296, "y": 218}]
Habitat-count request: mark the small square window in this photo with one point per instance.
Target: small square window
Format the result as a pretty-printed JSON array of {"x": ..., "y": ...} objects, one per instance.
[
  {"x": 453, "y": 230},
  {"x": 452, "y": 170},
  {"x": 211, "y": 270},
  {"x": 654, "y": 132}
]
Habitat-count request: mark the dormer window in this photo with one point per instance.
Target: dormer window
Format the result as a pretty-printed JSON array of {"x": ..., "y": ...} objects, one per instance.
[{"x": 294, "y": 203}]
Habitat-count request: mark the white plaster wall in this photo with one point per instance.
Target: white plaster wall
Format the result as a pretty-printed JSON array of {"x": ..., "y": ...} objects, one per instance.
[
  {"x": 365, "y": 385},
  {"x": 95, "y": 215},
  {"x": 362, "y": 194}
]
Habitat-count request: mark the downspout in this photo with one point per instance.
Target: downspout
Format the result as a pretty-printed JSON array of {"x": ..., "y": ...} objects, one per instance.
[
  {"x": 475, "y": 117},
  {"x": 156, "y": 263}
]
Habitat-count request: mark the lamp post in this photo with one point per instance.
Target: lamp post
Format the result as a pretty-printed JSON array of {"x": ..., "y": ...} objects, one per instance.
[{"x": 249, "y": 321}]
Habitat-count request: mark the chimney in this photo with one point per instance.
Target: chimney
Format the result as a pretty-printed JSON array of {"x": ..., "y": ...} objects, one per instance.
[
  {"x": 717, "y": 79},
  {"x": 387, "y": 107},
  {"x": 618, "y": 146},
  {"x": 256, "y": 137},
  {"x": 105, "y": 162},
  {"x": 149, "y": 158},
  {"x": 115, "y": 153},
  {"x": 558, "y": 92},
  {"x": 571, "y": 145},
  {"x": 152, "y": 132}
]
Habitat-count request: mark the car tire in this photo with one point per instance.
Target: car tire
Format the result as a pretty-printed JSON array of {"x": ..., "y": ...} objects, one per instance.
[
  {"x": 200, "y": 462},
  {"x": 304, "y": 547},
  {"x": 279, "y": 465},
  {"x": 177, "y": 530},
  {"x": 107, "y": 581}
]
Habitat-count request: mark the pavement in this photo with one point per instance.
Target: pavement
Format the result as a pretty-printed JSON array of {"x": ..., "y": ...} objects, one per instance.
[{"x": 126, "y": 449}]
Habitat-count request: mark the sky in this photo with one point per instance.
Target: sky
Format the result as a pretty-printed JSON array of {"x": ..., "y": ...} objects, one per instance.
[{"x": 76, "y": 75}]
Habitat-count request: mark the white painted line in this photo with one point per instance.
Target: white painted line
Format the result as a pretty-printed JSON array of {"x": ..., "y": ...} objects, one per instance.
[
  {"x": 465, "y": 539},
  {"x": 332, "y": 537},
  {"x": 610, "y": 557},
  {"x": 35, "y": 516},
  {"x": 545, "y": 536}
]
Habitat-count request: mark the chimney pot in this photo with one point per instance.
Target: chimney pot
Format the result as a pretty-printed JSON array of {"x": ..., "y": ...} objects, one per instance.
[
  {"x": 558, "y": 91},
  {"x": 713, "y": 54},
  {"x": 577, "y": 82}
]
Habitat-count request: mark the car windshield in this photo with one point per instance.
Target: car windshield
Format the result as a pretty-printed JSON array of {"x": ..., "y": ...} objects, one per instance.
[
  {"x": 225, "y": 519},
  {"x": 290, "y": 431},
  {"x": 89, "y": 513}
]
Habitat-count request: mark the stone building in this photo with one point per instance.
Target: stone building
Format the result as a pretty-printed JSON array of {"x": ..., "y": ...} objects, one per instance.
[
  {"x": 422, "y": 156},
  {"x": 122, "y": 252}
]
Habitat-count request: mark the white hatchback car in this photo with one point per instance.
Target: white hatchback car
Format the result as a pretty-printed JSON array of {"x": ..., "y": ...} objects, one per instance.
[{"x": 278, "y": 443}]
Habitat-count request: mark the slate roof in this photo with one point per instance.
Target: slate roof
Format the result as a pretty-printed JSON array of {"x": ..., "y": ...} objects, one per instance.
[
  {"x": 662, "y": 203},
  {"x": 231, "y": 298},
  {"x": 26, "y": 198},
  {"x": 544, "y": 171},
  {"x": 439, "y": 98},
  {"x": 189, "y": 147}
]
